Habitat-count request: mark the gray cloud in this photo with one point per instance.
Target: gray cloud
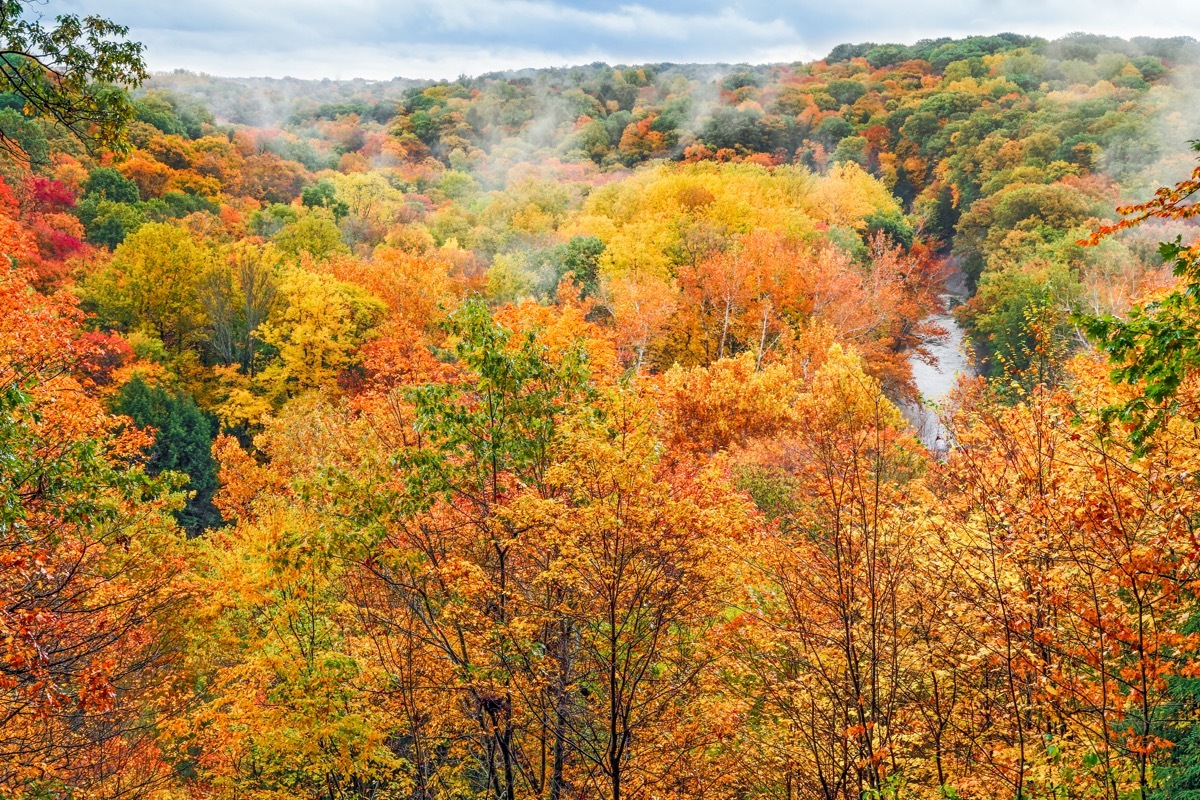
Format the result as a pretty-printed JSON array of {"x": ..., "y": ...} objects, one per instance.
[{"x": 432, "y": 39}]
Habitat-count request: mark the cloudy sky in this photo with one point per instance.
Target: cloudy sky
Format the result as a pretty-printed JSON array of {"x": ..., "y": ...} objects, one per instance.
[{"x": 446, "y": 38}]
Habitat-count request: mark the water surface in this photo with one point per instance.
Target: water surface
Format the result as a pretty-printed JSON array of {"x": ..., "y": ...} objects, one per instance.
[{"x": 950, "y": 359}]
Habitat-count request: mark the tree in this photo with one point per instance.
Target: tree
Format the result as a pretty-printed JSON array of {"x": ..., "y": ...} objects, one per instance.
[
  {"x": 108, "y": 184},
  {"x": 269, "y": 178},
  {"x": 580, "y": 256},
  {"x": 238, "y": 295},
  {"x": 1082, "y": 561},
  {"x": 637, "y": 550},
  {"x": 364, "y": 205},
  {"x": 313, "y": 234},
  {"x": 1158, "y": 345},
  {"x": 152, "y": 282},
  {"x": 149, "y": 176},
  {"x": 23, "y": 137},
  {"x": 108, "y": 223},
  {"x": 183, "y": 437},
  {"x": 1018, "y": 320},
  {"x": 1180, "y": 772},
  {"x": 833, "y": 582},
  {"x": 641, "y": 306},
  {"x": 1019, "y": 223},
  {"x": 293, "y": 704},
  {"x": 89, "y": 569},
  {"x": 452, "y": 553},
  {"x": 316, "y": 330},
  {"x": 323, "y": 194},
  {"x": 726, "y": 405},
  {"x": 69, "y": 73},
  {"x": 419, "y": 288}
]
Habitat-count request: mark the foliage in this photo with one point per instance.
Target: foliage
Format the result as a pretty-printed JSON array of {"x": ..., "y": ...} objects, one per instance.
[
  {"x": 69, "y": 73},
  {"x": 544, "y": 435},
  {"x": 183, "y": 438},
  {"x": 1156, "y": 346},
  {"x": 152, "y": 281},
  {"x": 90, "y": 567}
]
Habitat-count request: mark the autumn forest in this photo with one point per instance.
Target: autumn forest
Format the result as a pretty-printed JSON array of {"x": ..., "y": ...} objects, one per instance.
[{"x": 554, "y": 434}]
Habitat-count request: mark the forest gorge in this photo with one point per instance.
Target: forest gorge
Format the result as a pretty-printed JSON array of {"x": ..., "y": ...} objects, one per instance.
[{"x": 537, "y": 435}]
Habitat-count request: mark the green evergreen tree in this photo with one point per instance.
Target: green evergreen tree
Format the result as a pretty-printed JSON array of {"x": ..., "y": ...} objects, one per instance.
[
  {"x": 183, "y": 444},
  {"x": 1179, "y": 775}
]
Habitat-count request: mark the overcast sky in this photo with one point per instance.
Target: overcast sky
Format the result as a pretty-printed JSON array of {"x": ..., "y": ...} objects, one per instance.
[{"x": 446, "y": 38}]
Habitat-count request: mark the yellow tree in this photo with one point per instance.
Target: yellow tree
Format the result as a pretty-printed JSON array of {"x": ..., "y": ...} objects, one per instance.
[
  {"x": 294, "y": 706},
  {"x": 638, "y": 550},
  {"x": 153, "y": 283},
  {"x": 316, "y": 330},
  {"x": 832, "y": 587}
]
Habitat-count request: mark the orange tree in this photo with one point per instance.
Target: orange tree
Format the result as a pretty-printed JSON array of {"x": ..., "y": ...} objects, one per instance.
[{"x": 89, "y": 561}]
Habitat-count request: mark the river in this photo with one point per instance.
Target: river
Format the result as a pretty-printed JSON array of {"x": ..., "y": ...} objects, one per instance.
[{"x": 934, "y": 381}]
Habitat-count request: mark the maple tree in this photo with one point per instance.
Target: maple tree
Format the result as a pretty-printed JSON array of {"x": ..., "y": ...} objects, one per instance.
[{"x": 1062, "y": 527}]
